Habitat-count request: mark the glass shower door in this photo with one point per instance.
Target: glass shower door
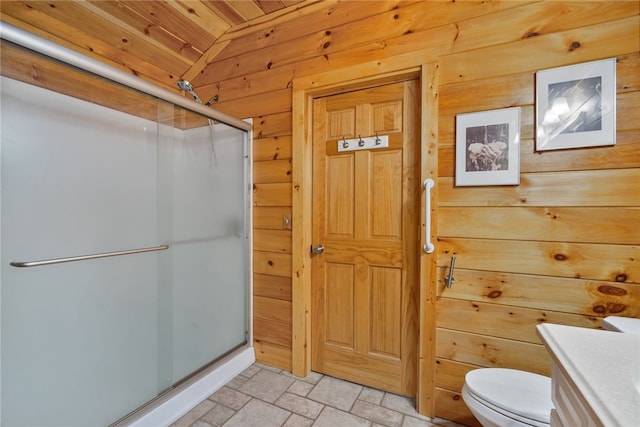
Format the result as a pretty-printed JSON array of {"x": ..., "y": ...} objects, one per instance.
[
  {"x": 103, "y": 169},
  {"x": 77, "y": 179}
]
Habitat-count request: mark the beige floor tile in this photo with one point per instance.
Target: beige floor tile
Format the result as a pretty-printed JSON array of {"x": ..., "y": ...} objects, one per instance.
[
  {"x": 401, "y": 404},
  {"x": 230, "y": 398},
  {"x": 331, "y": 417},
  {"x": 300, "y": 388},
  {"x": 193, "y": 415},
  {"x": 445, "y": 423},
  {"x": 218, "y": 415},
  {"x": 337, "y": 393},
  {"x": 258, "y": 414},
  {"x": 299, "y": 405},
  {"x": 250, "y": 371},
  {"x": 298, "y": 421},
  {"x": 371, "y": 395},
  {"x": 415, "y": 422},
  {"x": 266, "y": 385},
  {"x": 269, "y": 368},
  {"x": 313, "y": 377},
  {"x": 377, "y": 414},
  {"x": 237, "y": 381}
]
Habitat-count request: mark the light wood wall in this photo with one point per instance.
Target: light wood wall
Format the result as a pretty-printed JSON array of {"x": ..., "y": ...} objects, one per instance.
[{"x": 561, "y": 247}]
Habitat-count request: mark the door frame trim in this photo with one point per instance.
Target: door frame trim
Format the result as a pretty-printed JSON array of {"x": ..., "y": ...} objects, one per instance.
[{"x": 305, "y": 89}]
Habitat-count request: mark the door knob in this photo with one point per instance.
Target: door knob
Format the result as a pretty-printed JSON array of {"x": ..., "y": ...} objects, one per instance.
[{"x": 317, "y": 250}]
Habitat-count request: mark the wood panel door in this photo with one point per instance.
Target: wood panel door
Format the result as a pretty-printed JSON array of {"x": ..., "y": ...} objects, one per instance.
[{"x": 365, "y": 290}]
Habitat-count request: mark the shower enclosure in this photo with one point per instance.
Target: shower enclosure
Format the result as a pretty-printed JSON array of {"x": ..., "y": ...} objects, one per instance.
[{"x": 124, "y": 243}]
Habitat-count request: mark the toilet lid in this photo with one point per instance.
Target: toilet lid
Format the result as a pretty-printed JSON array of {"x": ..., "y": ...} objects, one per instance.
[{"x": 521, "y": 393}]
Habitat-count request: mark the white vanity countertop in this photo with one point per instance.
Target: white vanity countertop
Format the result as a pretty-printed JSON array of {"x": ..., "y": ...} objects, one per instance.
[{"x": 603, "y": 365}]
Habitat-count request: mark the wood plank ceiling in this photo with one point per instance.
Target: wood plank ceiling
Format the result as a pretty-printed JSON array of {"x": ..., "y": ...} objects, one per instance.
[{"x": 159, "y": 41}]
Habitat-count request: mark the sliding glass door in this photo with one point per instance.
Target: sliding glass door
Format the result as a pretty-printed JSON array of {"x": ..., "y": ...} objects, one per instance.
[{"x": 91, "y": 174}]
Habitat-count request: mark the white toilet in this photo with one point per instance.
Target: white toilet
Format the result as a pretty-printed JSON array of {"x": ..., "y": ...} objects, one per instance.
[{"x": 501, "y": 397}]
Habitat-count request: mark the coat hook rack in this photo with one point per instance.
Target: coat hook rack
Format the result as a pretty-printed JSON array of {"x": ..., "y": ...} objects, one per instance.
[{"x": 366, "y": 143}]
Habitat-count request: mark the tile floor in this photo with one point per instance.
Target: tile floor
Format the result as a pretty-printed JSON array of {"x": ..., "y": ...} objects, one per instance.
[{"x": 263, "y": 396}]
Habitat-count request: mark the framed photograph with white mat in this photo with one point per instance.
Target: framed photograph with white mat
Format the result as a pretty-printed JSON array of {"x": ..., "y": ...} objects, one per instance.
[
  {"x": 576, "y": 106},
  {"x": 488, "y": 148}
]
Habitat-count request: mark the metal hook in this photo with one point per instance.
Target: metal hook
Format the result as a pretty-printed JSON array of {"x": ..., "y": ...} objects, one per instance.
[
  {"x": 360, "y": 142},
  {"x": 345, "y": 144},
  {"x": 450, "y": 279},
  {"x": 378, "y": 141}
]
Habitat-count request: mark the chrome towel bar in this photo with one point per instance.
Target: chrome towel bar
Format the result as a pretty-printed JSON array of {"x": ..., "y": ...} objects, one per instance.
[{"x": 86, "y": 257}]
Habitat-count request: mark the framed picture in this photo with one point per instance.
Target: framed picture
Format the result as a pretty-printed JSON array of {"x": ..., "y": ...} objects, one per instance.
[
  {"x": 488, "y": 147},
  {"x": 576, "y": 106}
]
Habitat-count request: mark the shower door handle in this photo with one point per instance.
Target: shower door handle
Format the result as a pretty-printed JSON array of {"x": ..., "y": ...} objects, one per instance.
[
  {"x": 86, "y": 257},
  {"x": 317, "y": 250}
]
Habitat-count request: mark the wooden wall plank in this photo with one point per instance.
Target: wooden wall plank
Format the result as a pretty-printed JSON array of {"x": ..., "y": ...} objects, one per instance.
[
  {"x": 450, "y": 374},
  {"x": 627, "y": 76},
  {"x": 547, "y": 51},
  {"x": 272, "y": 171},
  {"x": 270, "y": 217},
  {"x": 623, "y": 155},
  {"x": 503, "y": 321},
  {"x": 270, "y": 125},
  {"x": 272, "y": 263},
  {"x": 486, "y": 94},
  {"x": 278, "y": 194},
  {"x": 272, "y": 332},
  {"x": 626, "y": 119},
  {"x": 607, "y": 187},
  {"x": 277, "y": 310},
  {"x": 615, "y": 263},
  {"x": 258, "y": 105},
  {"x": 274, "y": 148},
  {"x": 272, "y": 240},
  {"x": 536, "y": 19},
  {"x": 587, "y": 225},
  {"x": 277, "y": 287},
  {"x": 272, "y": 354},
  {"x": 568, "y": 295},
  {"x": 248, "y": 85},
  {"x": 451, "y": 407},
  {"x": 487, "y": 351}
]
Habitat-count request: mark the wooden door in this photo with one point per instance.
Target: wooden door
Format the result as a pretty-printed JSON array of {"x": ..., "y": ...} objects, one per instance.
[{"x": 365, "y": 293}]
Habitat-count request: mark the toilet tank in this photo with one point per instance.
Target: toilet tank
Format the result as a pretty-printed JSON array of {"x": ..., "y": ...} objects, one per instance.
[{"x": 626, "y": 325}]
